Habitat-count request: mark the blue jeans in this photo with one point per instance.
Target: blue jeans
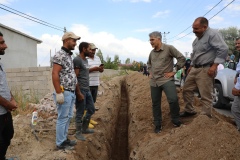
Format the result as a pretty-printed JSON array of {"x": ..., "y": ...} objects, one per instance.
[
  {"x": 65, "y": 114},
  {"x": 86, "y": 104}
]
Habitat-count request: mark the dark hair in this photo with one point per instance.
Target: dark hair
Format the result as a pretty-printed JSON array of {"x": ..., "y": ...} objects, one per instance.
[
  {"x": 83, "y": 45},
  {"x": 202, "y": 20},
  {"x": 1, "y": 34},
  {"x": 237, "y": 38}
]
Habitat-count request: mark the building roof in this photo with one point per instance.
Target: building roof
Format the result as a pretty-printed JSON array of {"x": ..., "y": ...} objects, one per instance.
[{"x": 13, "y": 30}]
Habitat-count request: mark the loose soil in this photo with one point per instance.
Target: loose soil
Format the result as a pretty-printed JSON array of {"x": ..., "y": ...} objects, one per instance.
[{"x": 125, "y": 129}]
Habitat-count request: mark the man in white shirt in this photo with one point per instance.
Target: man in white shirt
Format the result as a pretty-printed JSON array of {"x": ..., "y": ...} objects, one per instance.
[
  {"x": 95, "y": 68},
  {"x": 235, "y": 109}
]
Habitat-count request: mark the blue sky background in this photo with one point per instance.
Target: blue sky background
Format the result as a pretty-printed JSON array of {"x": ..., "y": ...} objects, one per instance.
[{"x": 117, "y": 27}]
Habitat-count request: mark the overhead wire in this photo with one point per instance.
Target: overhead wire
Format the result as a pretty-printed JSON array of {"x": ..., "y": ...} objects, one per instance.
[
  {"x": 209, "y": 19},
  {"x": 32, "y": 18},
  {"x": 203, "y": 16}
]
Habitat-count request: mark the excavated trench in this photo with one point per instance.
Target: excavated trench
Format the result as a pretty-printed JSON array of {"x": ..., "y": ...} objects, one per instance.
[{"x": 120, "y": 138}]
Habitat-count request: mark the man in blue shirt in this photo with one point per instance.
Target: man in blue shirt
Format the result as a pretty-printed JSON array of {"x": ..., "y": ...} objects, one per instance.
[{"x": 7, "y": 104}]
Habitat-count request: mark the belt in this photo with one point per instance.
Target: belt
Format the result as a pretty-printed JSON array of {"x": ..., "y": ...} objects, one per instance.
[
  {"x": 69, "y": 90},
  {"x": 202, "y": 66}
]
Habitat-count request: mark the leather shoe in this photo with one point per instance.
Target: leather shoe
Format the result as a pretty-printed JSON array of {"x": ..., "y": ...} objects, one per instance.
[{"x": 187, "y": 114}]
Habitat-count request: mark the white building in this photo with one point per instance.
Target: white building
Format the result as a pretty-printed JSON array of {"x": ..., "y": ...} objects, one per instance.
[{"x": 22, "y": 49}]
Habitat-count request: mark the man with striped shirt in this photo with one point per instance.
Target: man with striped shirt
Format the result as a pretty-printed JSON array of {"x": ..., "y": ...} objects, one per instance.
[{"x": 95, "y": 69}]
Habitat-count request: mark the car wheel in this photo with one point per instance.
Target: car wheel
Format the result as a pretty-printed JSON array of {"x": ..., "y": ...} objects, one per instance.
[{"x": 218, "y": 98}]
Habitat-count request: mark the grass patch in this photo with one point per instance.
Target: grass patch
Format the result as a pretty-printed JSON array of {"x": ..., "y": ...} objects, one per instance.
[{"x": 23, "y": 98}]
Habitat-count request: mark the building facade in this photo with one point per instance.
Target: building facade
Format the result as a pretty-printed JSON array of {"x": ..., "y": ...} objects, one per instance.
[{"x": 22, "y": 49}]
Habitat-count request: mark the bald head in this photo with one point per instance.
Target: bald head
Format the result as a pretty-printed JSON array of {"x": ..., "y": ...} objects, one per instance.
[{"x": 199, "y": 26}]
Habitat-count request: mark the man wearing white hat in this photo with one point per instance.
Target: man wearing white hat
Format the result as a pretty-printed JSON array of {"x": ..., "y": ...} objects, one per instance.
[
  {"x": 64, "y": 81},
  {"x": 96, "y": 67}
]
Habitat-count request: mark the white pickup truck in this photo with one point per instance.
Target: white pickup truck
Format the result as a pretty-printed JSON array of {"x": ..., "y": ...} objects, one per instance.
[{"x": 223, "y": 84}]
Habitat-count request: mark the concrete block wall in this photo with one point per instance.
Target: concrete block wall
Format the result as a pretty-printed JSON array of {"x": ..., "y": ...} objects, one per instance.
[
  {"x": 31, "y": 80},
  {"x": 38, "y": 80}
]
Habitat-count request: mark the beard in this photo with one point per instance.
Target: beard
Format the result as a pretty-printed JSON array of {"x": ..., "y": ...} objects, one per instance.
[
  {"x": 86, "y": 54},
  {"x": 2, "y": 52}
]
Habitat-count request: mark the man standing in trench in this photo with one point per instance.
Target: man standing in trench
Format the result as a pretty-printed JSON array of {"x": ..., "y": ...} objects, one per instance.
[
  {"x": 64, "y": 81},
  {"x": 160, "y": 66},
  {"x": 81, "y": 68},
  {"x": 209, "y": 50},
  {"x": 95, "y": 68},
  {"x": 7, "y": 105}
]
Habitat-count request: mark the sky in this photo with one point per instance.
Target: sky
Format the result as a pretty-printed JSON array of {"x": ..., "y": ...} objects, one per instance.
[{"x": 117, "y": 27}]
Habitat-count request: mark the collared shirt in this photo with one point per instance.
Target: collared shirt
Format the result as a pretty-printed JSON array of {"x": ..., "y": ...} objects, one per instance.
[
  {"x": 209, "y": 49},
  {"x": 67, "y": 75},
  {"x": 94, "y": 76},
  {"x": 160, "y": 62},
  {"x": 4, "y": 89}
]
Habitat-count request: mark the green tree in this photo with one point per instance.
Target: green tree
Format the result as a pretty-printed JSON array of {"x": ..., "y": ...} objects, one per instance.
[
  {"x": 116, "y": 59},
  {"x": 127, "y": 61},
  {"x": 108, "y": 64},
  {"x": 100, "y": 55},
  {"x": 229, "y": 35}
]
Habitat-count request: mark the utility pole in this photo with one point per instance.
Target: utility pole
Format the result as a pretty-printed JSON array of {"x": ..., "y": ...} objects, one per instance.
[{"x": 164, "y": 36}]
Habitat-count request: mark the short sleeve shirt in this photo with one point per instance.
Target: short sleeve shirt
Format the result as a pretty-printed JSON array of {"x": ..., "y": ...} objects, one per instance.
[
  {"x": 83, "y": 76},
  {"x": 4, "y": 90},
  {"x": 67, "y": 75},
  {"x": 94, "y": 76}
]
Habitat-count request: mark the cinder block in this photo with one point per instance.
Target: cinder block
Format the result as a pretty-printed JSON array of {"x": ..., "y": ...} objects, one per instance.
[
  {"x": 43, "y": 68},
  {"x": 19, "y": 74},
  {"x": 46, "y": 73},
  {"x": 11, "y": 74},
  {"x": 24, "y": 69},
  {"x": 16, "y": 70},
  {"x": 14, "y": 79},
  {"x": 33, "y": 69},
  {"x": 41, "y": 78}
]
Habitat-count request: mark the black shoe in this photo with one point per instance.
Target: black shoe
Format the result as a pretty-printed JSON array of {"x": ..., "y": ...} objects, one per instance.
[
  {"x": 158, "y": 129},
  {"x": 65, "y": 146},
  {"x": 70, "y": 142},
  {"x": 176, "y": 123},
  {"x": 187, "y": 114}
]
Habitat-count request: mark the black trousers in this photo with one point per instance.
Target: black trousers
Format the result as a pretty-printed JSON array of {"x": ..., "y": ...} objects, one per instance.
[
  {"x": 94, "y": 91},
  {"x": 6, "y": 133}
]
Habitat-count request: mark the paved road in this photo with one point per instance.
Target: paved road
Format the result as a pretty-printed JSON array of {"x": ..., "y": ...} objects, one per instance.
[{"x": 226, "y": 112}]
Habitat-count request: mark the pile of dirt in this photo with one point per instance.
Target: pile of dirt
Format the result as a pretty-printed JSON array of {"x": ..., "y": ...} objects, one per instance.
[{"x": 125, "y": 129}]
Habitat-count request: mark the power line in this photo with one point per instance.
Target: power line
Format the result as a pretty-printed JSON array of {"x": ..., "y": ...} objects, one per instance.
[
  {"x": 203, "y": 16},
  {"x": 209, "y": 19},
  {"x": 30, "y": 16},
  {"x": 41, "y": 22}
]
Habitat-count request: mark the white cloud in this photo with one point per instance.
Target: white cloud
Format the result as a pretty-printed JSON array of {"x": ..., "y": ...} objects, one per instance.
[
  {"x": 129, "y": 47},
  {"x": 144, "y": 30},
  {"x": 161, "y": 14},
  {"x": 6, "y": 1},
  {"x": 235, "y": 6},
  {"x": 16, "y": 22},
  {"x": 216, "y": 20}
]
